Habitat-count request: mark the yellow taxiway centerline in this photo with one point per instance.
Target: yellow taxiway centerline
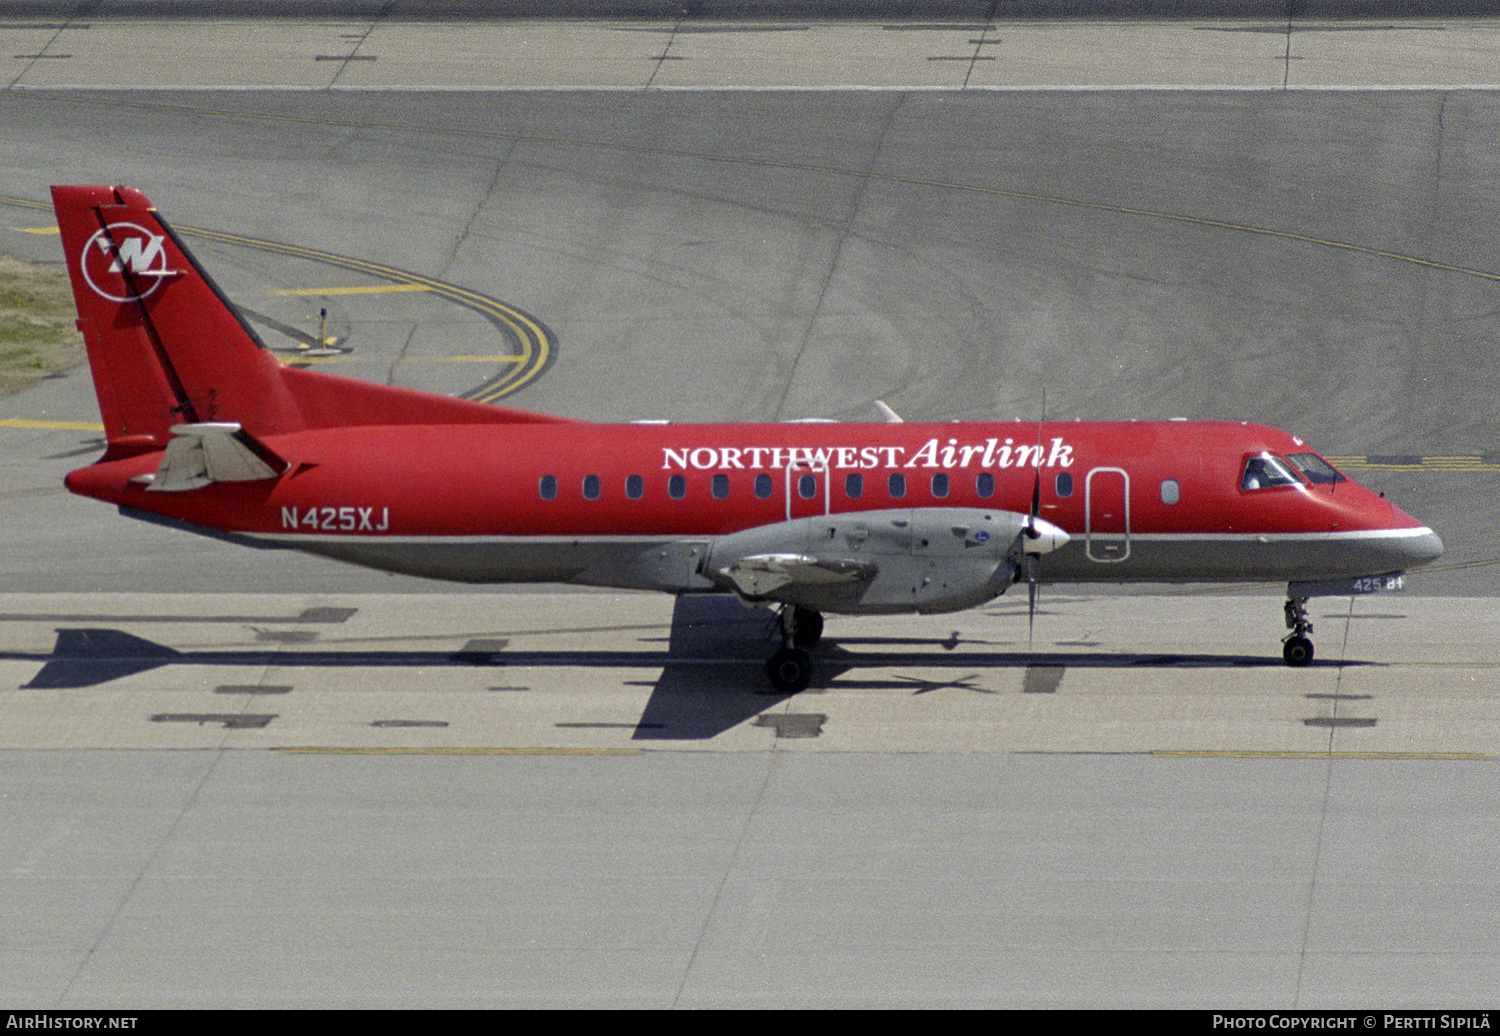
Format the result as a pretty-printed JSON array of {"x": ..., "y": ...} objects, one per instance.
[
  {"x": 76, "y": 426},
  {"x": 361, "y": 289}
]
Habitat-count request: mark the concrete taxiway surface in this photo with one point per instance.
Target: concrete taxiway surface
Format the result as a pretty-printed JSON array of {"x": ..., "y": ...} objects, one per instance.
[
  {"x": 547, "y": 800},
  {"x": 243, "y": 777},
  {"x": 955, "y": 46},
  {"x": 596, "y": 672}
]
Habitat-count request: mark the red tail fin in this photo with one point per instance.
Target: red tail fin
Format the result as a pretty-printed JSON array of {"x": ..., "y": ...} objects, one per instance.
[
  {"x": 164, "y": 347},
  {"x": 167, "y": 348}
]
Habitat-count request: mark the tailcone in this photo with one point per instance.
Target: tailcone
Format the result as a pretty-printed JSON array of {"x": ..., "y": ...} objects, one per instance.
[{"x": 106, "y": 480}]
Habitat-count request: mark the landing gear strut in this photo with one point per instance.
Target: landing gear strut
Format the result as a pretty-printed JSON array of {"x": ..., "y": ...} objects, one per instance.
[
  {"x": 807, "y": 626},
  {"x": 790, "y": 669},
  {"x": 1296, "y": 648}
]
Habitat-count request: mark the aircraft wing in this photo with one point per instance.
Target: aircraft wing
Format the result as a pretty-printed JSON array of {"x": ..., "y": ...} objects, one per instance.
[
  {"x": 928, "y": 559},
  {"x": 760, "y": 574},
  {"x": 199, "y": 454}
]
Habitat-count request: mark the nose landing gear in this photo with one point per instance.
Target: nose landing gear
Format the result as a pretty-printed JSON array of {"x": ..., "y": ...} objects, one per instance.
[{"x": 1296, "y": 648}]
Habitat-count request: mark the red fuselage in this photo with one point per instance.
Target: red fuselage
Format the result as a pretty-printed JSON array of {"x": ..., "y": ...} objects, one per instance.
[{"x": 1160, "y": 501}]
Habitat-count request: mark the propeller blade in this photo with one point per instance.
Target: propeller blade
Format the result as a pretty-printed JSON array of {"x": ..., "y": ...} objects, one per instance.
[
  {"x": 1031, "y": 567},
  {"x": 1036, "y": 505},
  {"x": 1033, "y": 558}
]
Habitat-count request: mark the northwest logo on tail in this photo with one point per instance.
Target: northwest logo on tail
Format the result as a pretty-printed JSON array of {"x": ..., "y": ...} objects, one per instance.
[{"x": 125, "y": 262}]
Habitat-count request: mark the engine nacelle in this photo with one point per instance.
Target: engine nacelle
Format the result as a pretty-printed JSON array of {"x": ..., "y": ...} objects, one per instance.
[{"x": 880, "y": 562}]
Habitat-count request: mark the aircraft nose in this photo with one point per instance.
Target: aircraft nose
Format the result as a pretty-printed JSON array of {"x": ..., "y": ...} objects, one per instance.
[{"x": 1421, "y": 548}]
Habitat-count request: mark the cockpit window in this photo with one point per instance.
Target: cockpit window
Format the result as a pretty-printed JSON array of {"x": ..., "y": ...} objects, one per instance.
[
  {"x": 1265, "y": 471},
  {"x": 1315, "y": 469}
]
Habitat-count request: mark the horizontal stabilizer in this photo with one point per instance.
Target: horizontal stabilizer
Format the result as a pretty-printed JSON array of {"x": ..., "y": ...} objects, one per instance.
[
  {"x": 199, "y": 454},
  {"x": 89, "y": 657},
  {"x": 760, "y": 574}
]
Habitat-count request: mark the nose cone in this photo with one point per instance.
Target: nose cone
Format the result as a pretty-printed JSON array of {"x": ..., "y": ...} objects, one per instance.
[
  {"x": 1410, "y": 543},
  {"x": 1421, "y": 547},
  {"x": 1049, "y": 537}
]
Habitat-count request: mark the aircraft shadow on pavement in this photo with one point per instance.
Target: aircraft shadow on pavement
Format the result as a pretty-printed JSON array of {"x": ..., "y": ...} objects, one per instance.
[
  {"x": 714, "y": 679},
  {"x": 711, "y": 675}
]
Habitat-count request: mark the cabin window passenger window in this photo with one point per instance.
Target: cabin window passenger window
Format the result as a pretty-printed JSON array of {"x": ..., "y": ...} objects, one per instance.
[
  {"x": 807, "y": 487},
  {"x": 548, "y": 487},
  {"x": 591, "y": 487},
  {"x": 1171, "y": 491},
  {"x": 721, "y": 486},
  {"x": 896, "y": 484},
  {"x": 763, "y": 486},
  {"x": 635, "y": 487},
  {"x": 984, "y": 485},
  {"x": 677, "y": 487},
  {"x": 1064, "y": 484},
  {"x": 854, "y": 486},
  {"x": 940, "y": 485}
]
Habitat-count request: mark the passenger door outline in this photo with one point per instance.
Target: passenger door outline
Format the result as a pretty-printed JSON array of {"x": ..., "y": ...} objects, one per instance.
[{"x": 1106, "y": 515}]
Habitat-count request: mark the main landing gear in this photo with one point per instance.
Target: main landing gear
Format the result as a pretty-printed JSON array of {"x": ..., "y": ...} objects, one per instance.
[
  {"x": 790, "y": 669},
  {"x": 1295, "y": 647}
]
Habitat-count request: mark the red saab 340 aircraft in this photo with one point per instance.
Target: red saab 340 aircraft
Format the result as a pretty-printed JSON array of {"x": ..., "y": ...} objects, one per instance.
[{"x": 208, "y": 432}]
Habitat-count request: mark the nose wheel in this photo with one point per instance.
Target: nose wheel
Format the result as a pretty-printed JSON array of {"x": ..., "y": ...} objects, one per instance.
[
  {"x": 790, "y": 669},
  {"x": 1296, "y": 648}
]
